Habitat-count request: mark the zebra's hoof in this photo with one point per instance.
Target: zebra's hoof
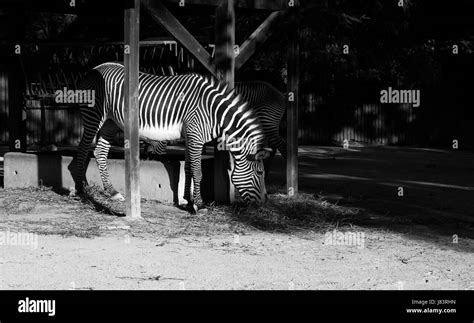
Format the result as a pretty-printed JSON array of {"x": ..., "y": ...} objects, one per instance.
[
  {"x": 192, "y": 208},
  {"x": 199, "y": 205},
  {"x": 72, "y": 192},
  {"x": 117, "y": 197}
]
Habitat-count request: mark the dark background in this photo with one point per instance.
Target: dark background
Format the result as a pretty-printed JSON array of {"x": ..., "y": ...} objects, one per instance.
[{"x": 407, "y": 47}]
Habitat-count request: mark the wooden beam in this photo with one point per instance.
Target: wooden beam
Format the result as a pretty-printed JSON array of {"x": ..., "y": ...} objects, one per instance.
[
  {"x": 270, "y": 5},
  {"x": 165, "y": 18},
  {"x": 146, "y": 42},
  {"x": 43, "y": 123},
  {"x": 16, "y": 113},
  {"x": 114, "y": 7},
  {"x": 258, "y": 37},
  {"x": 263, "y": 4},
  {"x": 292, "y": 108},
  {"x": 155, "y": 41},
  {"x": 16, "y": 84},
  {"x": 224, "y": 59},
  {"x": 211, "y": 3},
  {"x": 80, "y": 7},
  {"x": 131, "y": 107}
]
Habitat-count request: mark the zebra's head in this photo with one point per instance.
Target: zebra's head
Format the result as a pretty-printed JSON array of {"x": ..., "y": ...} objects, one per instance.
[
  {"x": 245, "y": 142},
  {"x": 248, "y": 176},
  {"x": 238, "y": 130}
]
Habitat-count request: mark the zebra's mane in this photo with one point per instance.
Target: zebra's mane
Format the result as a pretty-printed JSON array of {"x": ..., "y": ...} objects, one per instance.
[{"x": 239, "y": 118}]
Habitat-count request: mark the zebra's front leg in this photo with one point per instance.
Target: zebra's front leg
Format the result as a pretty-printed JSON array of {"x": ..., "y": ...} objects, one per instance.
[
  {"x": 187, "y": 177},
  {"x": 101, "y": 152},
  {"x": 193, "y": 170}
]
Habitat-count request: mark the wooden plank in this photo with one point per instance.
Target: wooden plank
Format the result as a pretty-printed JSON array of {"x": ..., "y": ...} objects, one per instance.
[
  {"x": 43, "y": 123},
  {"x": 3, "y": 104},
  {"x": 16, "y": 85},
  {"x": 292, "y": 108},
  {"x": 224, "y": 191},
  {"x": 82, "y": 8},
  {"x": 258, "y": 37},
  {"x": 211, "y": 3},
  {"x": 145, "y": 42},
  {"x": 165, "y": 18},
  {"x": 265, "y": 4},
  {"x": 131, "y": 107},
  {"x": 245, "y": 4},
  {"x": 113, "y": 8}
]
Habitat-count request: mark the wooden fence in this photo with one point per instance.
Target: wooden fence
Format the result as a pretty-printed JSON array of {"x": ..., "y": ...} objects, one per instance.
[
  {"x": 371, "y": 123},
  {"x": 3, "y": 106},
  {"x": 59, "y": 67},
  {"x": 320, "y": 122},
  {"x": 63, "y": 125}
]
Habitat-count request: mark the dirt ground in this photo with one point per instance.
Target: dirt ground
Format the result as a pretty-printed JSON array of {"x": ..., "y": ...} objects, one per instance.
[{"x": 349, "y": 229}]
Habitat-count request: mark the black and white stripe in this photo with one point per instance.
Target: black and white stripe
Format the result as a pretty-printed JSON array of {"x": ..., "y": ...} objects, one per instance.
[
  {"x": 188, "y": 107},
  {"x": 269, "y": 105}
]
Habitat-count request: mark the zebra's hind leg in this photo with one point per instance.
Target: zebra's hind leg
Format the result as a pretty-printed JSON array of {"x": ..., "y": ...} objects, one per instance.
[
  {"x": 101, "y": 152},
  {"x": 155, "y": 148},
  {"x": 91, "y": 127},
  {"x": 187, "y": 182}
]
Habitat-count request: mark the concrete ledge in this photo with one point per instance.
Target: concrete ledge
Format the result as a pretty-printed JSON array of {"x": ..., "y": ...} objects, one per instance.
[{"x": 159, "y": 180}]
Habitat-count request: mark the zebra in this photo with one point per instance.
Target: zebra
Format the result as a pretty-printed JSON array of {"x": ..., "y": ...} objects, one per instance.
[
  {"x": 269, "y": 105},
  {"x": 190, "y": 107}
]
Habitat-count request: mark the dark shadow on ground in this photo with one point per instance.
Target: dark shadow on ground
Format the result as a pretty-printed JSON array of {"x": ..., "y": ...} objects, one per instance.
[{"x": 438, "y": 187}]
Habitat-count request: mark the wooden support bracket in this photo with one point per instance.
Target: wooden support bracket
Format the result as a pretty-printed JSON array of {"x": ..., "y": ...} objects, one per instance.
[
  {"x": 258, "y": 37},
  {"x": 165, "y": 18}
]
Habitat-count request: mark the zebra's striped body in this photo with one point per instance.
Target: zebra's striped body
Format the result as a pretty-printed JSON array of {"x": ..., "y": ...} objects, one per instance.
[
  {"x": 188, "y": 107},
  {"x": 269, "y": 105}
]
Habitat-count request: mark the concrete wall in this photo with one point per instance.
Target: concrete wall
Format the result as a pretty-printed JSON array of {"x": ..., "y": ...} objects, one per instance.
[{"x": 159, "y": 180}]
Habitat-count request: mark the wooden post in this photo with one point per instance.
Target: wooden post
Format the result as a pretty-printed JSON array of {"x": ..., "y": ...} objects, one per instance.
[
  {"x": 43, "y": 123},
  {"x": 225, "y": 65},
  {"x": 292, "y": 107},
  {"x": 131, "y": 107},
  {"x": 16, "y": 84}
]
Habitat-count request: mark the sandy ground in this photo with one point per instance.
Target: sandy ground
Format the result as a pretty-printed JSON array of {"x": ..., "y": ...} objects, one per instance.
[
  {"x": 259, "y": 261},
  {"x": 287, "y": 245}
]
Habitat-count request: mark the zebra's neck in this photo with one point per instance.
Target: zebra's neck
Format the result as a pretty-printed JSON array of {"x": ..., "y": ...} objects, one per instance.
[{"x": 233, "y": 124}]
